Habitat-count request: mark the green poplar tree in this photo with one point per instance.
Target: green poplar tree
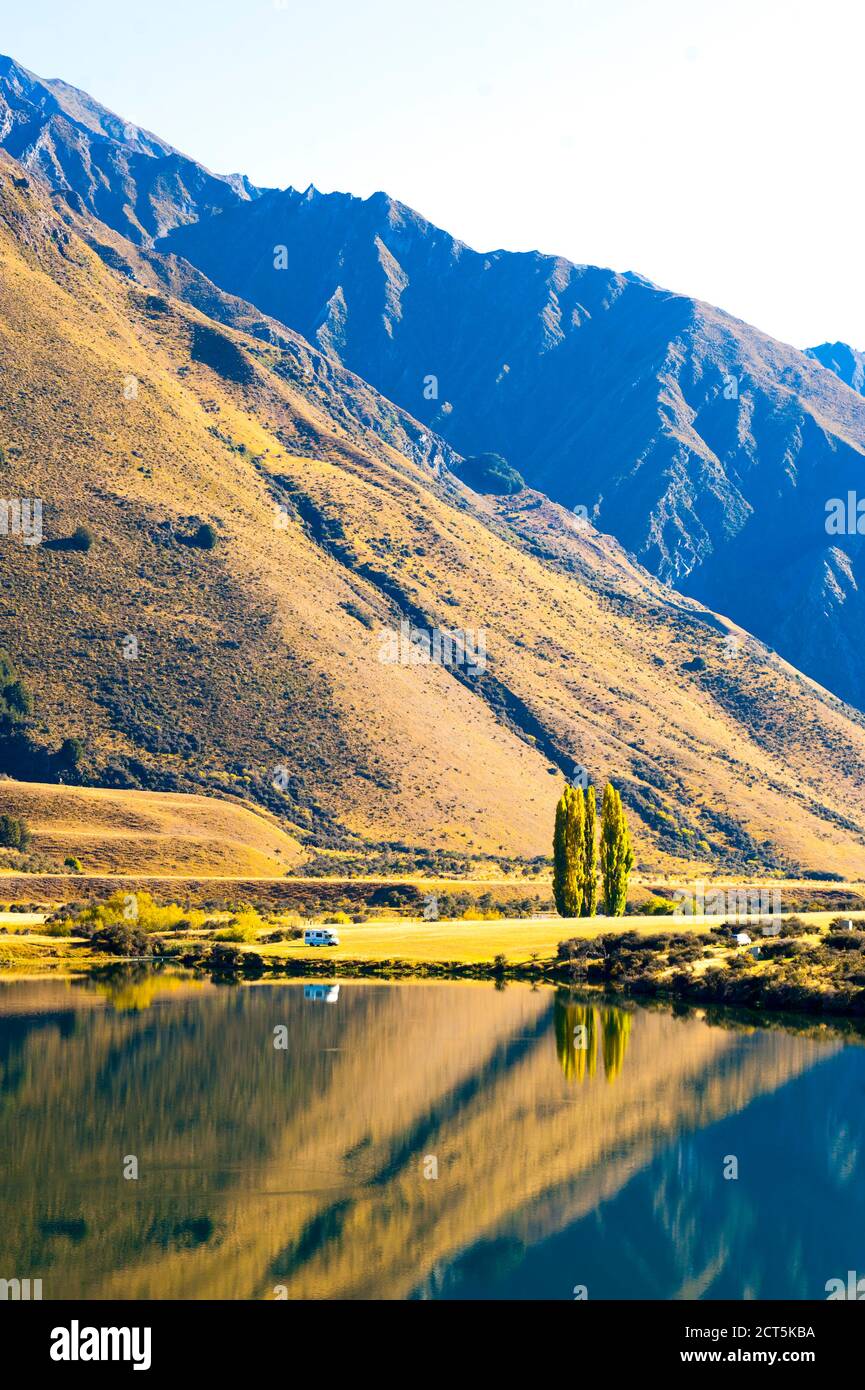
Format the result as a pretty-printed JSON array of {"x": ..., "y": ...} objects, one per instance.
[
  {"x": 560, "y": 857},
  {"x": 617, "y": 857},
  {"x": 576, "y": 848},
  {"x": 589, "y": 902},
  {"x": 567, "y": 853}
]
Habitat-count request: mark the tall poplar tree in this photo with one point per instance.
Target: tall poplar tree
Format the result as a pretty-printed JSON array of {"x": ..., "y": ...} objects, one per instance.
[
  {"x": 576, "y": 847},
  {"x": 617, "y": 857},
  {"x": 589, "y": 901},
  {"x": 560, "y": 857},
  {"x": 568, "y": 853}
]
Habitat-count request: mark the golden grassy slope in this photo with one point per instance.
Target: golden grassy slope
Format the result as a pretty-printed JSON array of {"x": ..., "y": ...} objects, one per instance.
[
  {"x": 264, "y": 652},
  {"x": 245, "y": 653},
  {"x": 149, "y": 832}
]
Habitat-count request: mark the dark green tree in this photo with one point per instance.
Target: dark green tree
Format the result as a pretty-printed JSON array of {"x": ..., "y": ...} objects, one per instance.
[
  {"x": 560, "y": 855},
  {"x": 589, "y": 885},
  {"x": 14, "y": 833},
  {"x": 617, "y": 857},
  {"x": 15, "y": 702},
  {"x": 81, "y": 538},
  {"x": 568, "y": 852},
  {"x": 71, "y": 752},
  {"x": 490, "y": 473},
  {"x": 205, "y": 537}
]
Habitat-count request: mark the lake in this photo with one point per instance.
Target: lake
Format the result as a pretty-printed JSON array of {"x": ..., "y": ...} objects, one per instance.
[{"x": 163, "y": 1136}]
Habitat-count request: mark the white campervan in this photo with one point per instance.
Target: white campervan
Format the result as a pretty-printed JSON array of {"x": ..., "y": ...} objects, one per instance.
[
  {"x": 328, "y": 993},
  {"x": 320, "y": 936}
]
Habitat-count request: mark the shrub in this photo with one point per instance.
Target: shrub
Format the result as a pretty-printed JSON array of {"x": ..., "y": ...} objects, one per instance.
[
  {"x": 246, "y": 925},
  {"x": 58, "y": 928},
  {"x": 399, "y": 895},
  {"x": 337, "y": 919},
  {"x": 794, "y": 926},
  {"x": 490, "y": 473},
  {"x": 205, "y": 537},
  {"x": 195, "y": 954},
  {"x": 81, "y": 539},
  {"x": 235, "y": 934},
  {"x": 121, "y": 939},
  {"x": 780, "y": 950},
  {"x": 156, "y": 304},
  {"x": 660, "y": 907},
  {"x": 14, "y": 832},
  {"x": 220, "y": 353},
  {"x": 225, "y": 959},
  {"x": 72, "y": 863},
  {"x": 845, "y": 941},
  {"x": 136, "y": 909},
  {"x": 71, "y": 752}
]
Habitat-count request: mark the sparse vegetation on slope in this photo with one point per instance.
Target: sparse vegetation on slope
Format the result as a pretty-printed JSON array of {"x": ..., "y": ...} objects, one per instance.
[{"x": 255, "y": 669}]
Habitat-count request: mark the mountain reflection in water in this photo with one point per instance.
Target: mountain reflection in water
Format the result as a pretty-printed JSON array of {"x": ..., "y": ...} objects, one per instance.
[{"x": 575, "y": 1141}]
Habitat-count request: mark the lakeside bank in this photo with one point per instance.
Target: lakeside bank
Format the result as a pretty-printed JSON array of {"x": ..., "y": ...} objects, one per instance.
[{"x": 814, "y": 964}]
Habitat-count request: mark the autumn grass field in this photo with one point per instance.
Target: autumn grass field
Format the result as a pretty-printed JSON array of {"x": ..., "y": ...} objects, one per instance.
[
  {"x": 212, "y": 856},
  {"x": 412, "y": 942},
  {"x": 141, "y": 832},
  {"x": 472, "y": 942}
]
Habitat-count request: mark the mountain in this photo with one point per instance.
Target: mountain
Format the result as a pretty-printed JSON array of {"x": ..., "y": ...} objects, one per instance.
[
  {"x": 125, "y": 176},
  {"x": 846, "y": 362},
  {"x": 261, "y": 525},
  {"x": 707, "y": 448}
]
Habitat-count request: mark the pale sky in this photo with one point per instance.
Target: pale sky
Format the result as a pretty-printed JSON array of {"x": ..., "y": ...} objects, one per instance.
[{"x": 714, "y": 147}]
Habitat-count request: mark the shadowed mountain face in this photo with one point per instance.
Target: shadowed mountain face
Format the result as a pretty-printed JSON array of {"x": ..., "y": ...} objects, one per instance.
[
  {"x": 708, "y": 449},
  {"x": 846, "y": 362}
]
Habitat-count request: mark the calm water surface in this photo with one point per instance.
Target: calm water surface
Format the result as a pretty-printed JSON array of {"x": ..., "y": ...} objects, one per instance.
[{"x": 575, "y": 1143}]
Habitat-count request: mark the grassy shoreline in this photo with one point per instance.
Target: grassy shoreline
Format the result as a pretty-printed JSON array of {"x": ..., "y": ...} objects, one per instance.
[{"x": 812, "y": 967}]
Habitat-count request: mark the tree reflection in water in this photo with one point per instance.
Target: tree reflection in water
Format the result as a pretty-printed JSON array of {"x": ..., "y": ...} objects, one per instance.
[{"x": 581, "y": 1027}]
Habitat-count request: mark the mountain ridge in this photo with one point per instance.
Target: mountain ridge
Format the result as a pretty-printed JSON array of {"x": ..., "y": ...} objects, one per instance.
[
  {"x": 846, "y": 362},
  {"x": 634, "y": 429},
  {"x": 129, "y": 178},
  {"x": 326, "y": 535}
]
